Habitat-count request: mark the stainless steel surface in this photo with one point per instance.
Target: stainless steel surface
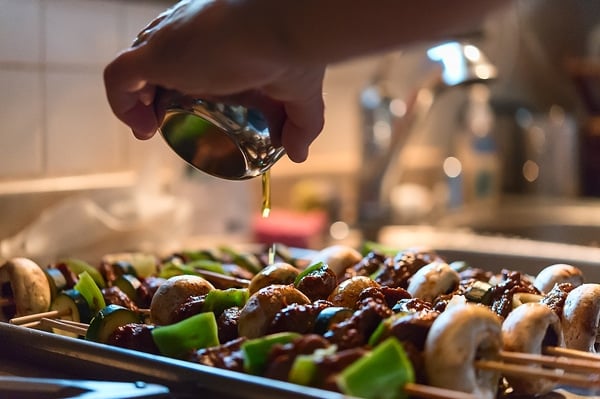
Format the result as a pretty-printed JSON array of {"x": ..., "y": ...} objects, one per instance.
[
  {"x": 494, "y": 252},
  {"x": 560, "y": 221},
  {"x": 80, "y": 359},
  {"x": 23, "y": 387},
  {"x": 230, "y": 142},
  {"x": 385, "y": 132}
]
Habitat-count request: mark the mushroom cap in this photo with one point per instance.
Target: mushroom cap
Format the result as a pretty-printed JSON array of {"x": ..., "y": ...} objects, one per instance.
[
  {"x": 346, "y": 293},
  {"x": 29, "y": 285},
  {"x": 558, "y": 273},
  {"x": 460, "y": 335},
  {"x": 581, "y": 317},
  {"x": 338, "y": 258},
  {"x": 433, "y": 280},
  {"x": 262, "y": 306},
  {"x": 525, "y": 330},
  {"x": 276, "y": 273},
  {"x": 174, "y": 292}
]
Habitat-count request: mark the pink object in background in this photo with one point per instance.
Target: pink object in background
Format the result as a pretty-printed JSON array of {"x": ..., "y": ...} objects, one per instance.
[{"x": 292, "y": 228}]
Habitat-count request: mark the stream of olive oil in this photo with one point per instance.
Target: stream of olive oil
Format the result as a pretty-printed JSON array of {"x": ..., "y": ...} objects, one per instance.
[
  {"x": 266, "y": 208},
  {"x": 266, "y": 194}
]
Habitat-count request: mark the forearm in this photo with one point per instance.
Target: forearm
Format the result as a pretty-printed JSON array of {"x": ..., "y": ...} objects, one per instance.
[{"x": 326, "y": 31}]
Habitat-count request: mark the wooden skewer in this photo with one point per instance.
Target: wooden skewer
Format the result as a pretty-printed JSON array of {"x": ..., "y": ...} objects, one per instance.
[
  {"x": 557, "y": 375},
  {"x": 224, "y": 280},
  {"x": 38, "y": 316},
  {"x": 74, "y": 323},
  {"x": 572, "y": 353},
  {"x": 552, "y": 361},
  {"x": 33, "y": 324},
  {"x": 430, "y": 392},
  {"x": 60, "y": 325}
]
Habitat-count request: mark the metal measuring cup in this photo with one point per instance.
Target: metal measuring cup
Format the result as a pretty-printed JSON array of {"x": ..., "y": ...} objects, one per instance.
[{"x": 227, "y": 141}]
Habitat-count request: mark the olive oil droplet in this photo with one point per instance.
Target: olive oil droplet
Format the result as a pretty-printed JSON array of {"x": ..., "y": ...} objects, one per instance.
[
  {"x": 266, "y": 194},
  {"x": 271, "y": 255}
]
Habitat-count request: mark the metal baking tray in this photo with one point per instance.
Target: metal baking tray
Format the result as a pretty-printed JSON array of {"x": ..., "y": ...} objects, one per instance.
[
  {"x": 37, "y": 353},
  {"x": 79, "y": 359}
]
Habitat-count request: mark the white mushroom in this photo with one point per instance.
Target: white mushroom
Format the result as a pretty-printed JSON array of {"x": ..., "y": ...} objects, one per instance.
[
  {"x": 527, "y": 329},
  {"x": 557, "y": 274},
  {"x": 338, "y": 258},
  {"x": 29, "y": 286},
  {"x": 260, "y": 309},
  {"x": 432, "y": 280},
  {"x": 346, "y": 293},
  {"x": 581, "y": 318},
  {"x": 458, "y": 337},
  {"x": 174, "y": 292},
  {"x": 276, "y": 273}
]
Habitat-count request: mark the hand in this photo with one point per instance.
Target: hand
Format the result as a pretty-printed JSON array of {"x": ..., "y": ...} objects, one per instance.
[{"x": 218, "y": 50}]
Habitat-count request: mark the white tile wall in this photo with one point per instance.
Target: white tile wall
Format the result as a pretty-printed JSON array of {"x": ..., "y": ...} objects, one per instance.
[
  {"x": 81, "y": 32},
  {"x": 82, "y": 133},
  {"x": 22, "y": 135},
  {"x": 20, "y": 31},
  {"x": 55, "y": 117}
]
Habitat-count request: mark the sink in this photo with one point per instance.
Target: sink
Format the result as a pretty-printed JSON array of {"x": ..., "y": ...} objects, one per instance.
[{"x": 567, "y": 222}]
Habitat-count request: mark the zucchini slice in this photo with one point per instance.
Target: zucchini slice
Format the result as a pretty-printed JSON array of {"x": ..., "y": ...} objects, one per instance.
[
  {"x": 71, "y": 305},
  {"x": 107, "y": 320}
]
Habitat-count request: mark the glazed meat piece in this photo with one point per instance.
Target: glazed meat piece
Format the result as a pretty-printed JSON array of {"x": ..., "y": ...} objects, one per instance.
[
  {"x": 404, "y": 265},
  {"x": 318, "y": 284},
  {"x": 368, "y": 265},
  {"x": 193, "y": 305},
  {"x": 413, "y": 327},
  {"x": 227, "y": 324},
  {"x": 134, "y": 336},
  {"x": 114, "y": 295},
  {"x": 475, "y": 273},
  {"x": 391, "y": 296},
  {"x": 147, "y": 290},
  {"x": 411, "y": 305},
  {"x": 555, "y": 299},
  {"x": 356, "y": 330},
  {"x": 502, "y": 293},
  {"x": 331, "y": 366},
  {"x": 298, "y": 317},
  {"x": 227, "y": 356},
  {"x": 282, "y": 357}
]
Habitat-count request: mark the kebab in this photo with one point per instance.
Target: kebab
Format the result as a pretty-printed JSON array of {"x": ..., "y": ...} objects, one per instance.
[
  {"x": 350, "y": 279},
  {"x": 479, "y": 323}
]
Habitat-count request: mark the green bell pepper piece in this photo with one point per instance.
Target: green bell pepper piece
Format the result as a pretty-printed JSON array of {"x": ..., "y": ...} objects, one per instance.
[
  {"x": 79, "y": 266},
  {"x": 379, "y": 375},
  {"x": 305, "y": 368},
  {"x": 246, "y": 260},
  {"x": 195, "y": 332},
  {"x": 172, "y": 269},
  {"x": 90, "y": 291},
  {"x": 384, "y": 329},
  {"x": 370, "y": 246},
  {"x": 255, "y": 352},
  {"x": 310, "y": 269},
  {"x": 217, "y": 301}
]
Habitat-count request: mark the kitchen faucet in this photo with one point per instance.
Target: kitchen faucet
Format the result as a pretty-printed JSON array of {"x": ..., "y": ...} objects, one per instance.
[{"x": 389, "y": 123}]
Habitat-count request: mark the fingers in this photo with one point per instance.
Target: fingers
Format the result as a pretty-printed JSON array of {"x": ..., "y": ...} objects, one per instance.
[
  {"x": 304, "y": 121},
  {"x": 130, "y": 96}
]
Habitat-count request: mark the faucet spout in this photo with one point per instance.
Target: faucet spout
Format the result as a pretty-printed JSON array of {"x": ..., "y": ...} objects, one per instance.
[{"x": 388, "y": 127}]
